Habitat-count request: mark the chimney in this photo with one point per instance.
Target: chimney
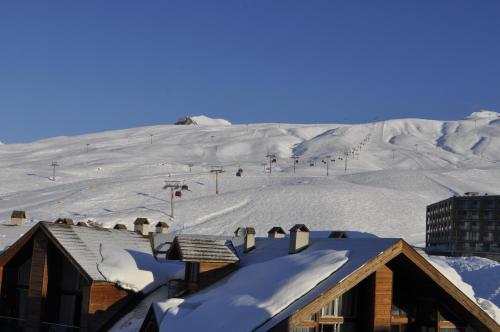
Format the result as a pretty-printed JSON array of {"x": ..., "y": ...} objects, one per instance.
[
  {"x": 162, "y": 227},
  {"x": 299, "y": 238},
  {"x": 18, "y": 217},
  {"x": 141, "y": 226},
  {"x": 248, "y": 233},
  {"x": 276, "y": 233},
  {"x": 64, "y": 221},
  {"x": 121, "y": 227}
]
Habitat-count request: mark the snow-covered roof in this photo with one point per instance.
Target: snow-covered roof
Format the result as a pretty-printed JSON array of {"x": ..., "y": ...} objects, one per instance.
[
  {"x": 270, "y": 285},
  {"x": 10, "y": 233},
  {"x": 196, "y": 248},
  {"x": 84, "y": 244}
]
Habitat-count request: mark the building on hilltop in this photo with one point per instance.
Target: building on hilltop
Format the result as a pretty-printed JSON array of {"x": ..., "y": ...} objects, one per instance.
[
  {"x": 324, "y": 284},
  {"x": 464, "y": 226},
  {"x": 50, "y": 279}
]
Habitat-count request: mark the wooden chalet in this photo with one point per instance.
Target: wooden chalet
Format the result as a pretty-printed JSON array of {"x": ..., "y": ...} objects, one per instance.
[
  {"x": 50, "y": 280},
  {"x": 207, "y": 258},
  {"x": 384, "y": 286}
]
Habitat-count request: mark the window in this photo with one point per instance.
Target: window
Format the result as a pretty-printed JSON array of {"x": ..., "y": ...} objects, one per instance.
[{"x": 343, "y": 306}]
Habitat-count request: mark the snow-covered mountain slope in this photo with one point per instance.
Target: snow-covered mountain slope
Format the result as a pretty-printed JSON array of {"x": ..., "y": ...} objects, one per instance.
[
  {"x": 403, "y": 166},
  {"x": 400, "y": 167}
]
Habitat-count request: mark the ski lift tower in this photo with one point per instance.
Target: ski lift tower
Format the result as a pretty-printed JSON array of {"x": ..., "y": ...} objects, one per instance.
[
  {"x": 174, "y": 186},
  {"x": 217, "y": 170},
  {"x": 295, "y": 161},
  {"x": 54, "y": 165},
  {"x": 272, "y": 157},
  {"x": 326, "y": 161}
]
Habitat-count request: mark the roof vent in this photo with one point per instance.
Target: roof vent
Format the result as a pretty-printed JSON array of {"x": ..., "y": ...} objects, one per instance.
[
  {"x": 18, "y": 217},
  {"x": 141, "y": 226},
  {"x": 162, "y": 227},
  {"x": 338, "y": 235},
  {"x": 299, "y": 238},
  {"x": 64, "y": 221},
  {"x": 248, "y": 233},
  {"x": 276, "y": 233},
  {"x": 121, "y": 227}
]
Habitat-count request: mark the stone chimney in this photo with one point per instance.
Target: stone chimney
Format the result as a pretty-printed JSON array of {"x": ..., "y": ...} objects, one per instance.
[
  {"x": 141, "y": 226},
  {"x": 299, "y": 238},
  {"x": 18, "y": 217},
  {"x": 248, "y": 233},
  {"x": 276, "y": 233},
  {"x": 162, "y": 227}
]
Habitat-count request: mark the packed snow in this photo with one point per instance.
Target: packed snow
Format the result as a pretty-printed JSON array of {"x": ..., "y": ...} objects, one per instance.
[
  {"x": 136, "y": 270},
  {"x": 281, "y": 281},
  {"x": 445, "y": 265},
  {"x": 400, "y": 167}
]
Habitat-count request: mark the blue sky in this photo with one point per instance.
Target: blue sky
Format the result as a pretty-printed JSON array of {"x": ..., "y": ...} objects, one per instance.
[{"x": 70, "y": 67}]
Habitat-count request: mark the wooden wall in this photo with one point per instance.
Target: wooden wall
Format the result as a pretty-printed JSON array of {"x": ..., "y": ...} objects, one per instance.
[
  {"x": 382, "y": 299},
  {"x": 212, "y": 272},
  {"x": 104, "y": 301}
]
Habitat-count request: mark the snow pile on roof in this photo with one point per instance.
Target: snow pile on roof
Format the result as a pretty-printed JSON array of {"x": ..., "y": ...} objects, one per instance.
[
  {"x": 481, "y": 273},
  {"x": 281, "y": 281},
  {"x": 202, "y": 120},
  {"x": 443, "y": 265},
  {"x": 483, "y": 114},
  {"x": 136, "y": 270}
]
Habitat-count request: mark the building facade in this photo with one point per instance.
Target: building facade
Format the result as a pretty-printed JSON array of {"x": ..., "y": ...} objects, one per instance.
[{"x": 465, "y": 225}]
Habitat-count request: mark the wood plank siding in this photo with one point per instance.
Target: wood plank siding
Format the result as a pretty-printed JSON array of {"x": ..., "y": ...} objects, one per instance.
[
  {"x": 38, "y": 283},
  {"x": 383, "y": 300}
]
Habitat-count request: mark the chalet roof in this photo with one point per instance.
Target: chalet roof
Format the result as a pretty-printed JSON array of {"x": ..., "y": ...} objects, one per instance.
[
  {"x": 18, "y": 214},
  {"x": 299, "y": 228},
  {"x": 10, "y": 233},
  {"x": 141, "y": 221},
  {"x": 82, "y": 244},
  {"x": 271, "y": 260},
  {"x": 276, "y": 229},
  {"x": 197, "y": 248}
]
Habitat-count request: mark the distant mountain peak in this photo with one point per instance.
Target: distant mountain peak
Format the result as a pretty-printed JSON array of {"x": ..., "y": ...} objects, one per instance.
[
  {"x": 202, "y": 120},
  {"x": 483, "y": 114}
]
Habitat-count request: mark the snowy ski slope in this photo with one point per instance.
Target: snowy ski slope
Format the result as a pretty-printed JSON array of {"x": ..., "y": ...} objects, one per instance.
[{"x": 403, "y": 166}]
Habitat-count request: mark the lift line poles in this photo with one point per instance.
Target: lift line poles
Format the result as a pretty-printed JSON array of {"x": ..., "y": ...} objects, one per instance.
[
  {"x": 173, "y": 185},
  {"x": 54, "y": 165},
  {"x": 217, "y": 170},
  {"x": 271, "y": 156},
  {"x": 295, "y": 161},
  {"x": 346, "y": 155},
  {"x": 327, "y": 163},
  {"x": 151, "y": 138},
  {"x": 88, "y": 147}
]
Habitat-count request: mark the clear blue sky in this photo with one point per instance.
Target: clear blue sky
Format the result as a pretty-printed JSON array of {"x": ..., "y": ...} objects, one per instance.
[{"x": 70, "y": 67}]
